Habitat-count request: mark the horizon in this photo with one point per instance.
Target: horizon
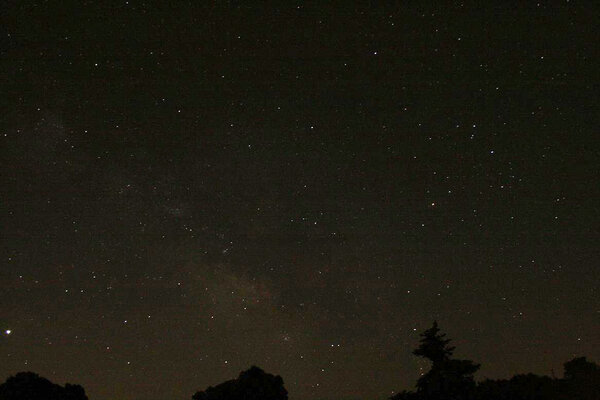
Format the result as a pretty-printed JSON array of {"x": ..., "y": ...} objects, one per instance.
[{"x": 553, "y": 376}]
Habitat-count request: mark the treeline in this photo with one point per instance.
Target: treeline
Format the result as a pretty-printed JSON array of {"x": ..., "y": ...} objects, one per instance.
[
  {"x": 448, "y": 379},
  {"x": 452, "y": 379}
]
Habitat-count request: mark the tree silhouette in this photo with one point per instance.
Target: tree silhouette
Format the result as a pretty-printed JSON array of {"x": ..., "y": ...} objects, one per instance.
[
  {"x": 252, "y": 384},
  {"x": 405, "y": 395},
  {"x": 448, "y": 379},
  {"x": 520, "y": 387},
  {"x": 31, "y": 386},
  {"x": 581, "y": 379},
  {"x": 580, "y": 369},
  {"x": 433, "y": 345}
]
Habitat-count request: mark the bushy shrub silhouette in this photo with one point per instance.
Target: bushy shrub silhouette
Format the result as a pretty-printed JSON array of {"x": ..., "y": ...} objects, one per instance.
[
  {"x": 252, "y": 384},
  {"x": 31, "y": 386},
  {"x": 519, "y": 387},
  {"x": 581, "y": 382},
  {"x": 581, "y": 379}
]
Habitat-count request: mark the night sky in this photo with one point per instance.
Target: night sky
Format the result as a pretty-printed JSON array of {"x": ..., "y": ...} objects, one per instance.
[{"x": 191, "y": 188}]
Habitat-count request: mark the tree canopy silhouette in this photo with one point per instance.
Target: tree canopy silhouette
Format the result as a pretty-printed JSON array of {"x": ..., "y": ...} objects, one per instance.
[
  {"x": 451, "y": 379},
  {"x": 31, "y": 386},
  {"x": 433, "y": 346},
  {"x": 582, "y": 379},
  {"x": 252, "y": 384},
  {"x": 581, "y": 369},
  {"x": 448, "y": 379}
]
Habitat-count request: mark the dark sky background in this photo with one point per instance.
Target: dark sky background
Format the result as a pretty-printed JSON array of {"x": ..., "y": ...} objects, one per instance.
[{"x": 190, "y": 188}]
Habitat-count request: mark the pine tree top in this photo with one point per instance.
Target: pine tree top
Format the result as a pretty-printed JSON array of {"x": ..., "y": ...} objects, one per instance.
[{"x": 433, "y": 345}]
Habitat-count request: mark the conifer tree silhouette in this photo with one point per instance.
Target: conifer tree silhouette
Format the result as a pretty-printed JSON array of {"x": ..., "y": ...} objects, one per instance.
[
  {"x": 448, "y": 379},
  {"x": 433, "y": 345}
]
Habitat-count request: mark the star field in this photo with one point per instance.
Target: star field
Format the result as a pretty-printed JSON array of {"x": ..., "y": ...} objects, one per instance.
[{"x": 190, "y": 189}]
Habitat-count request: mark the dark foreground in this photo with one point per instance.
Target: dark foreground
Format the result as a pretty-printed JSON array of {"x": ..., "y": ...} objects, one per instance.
[{"x": 448, "y": 379}]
